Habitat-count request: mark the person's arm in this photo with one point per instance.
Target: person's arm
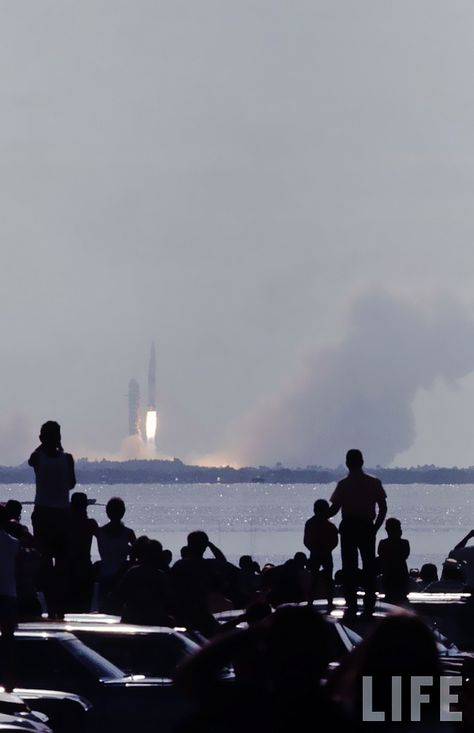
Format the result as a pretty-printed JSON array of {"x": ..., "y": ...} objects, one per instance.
[
  {"x": 132, "y": 538},
  {"x": 94, "y": 527},
  {"x": 33, "y": 459},
  {"x": 465, "y": 540},
  {"x": 407, "y": 550},
  {"x": 218, "y": 554},
  {"x": 72, "y": 473},
  {"x": 382, "y": 512},
  {"x": 307, "y": 536},
  {"x": 335, "y": 502}
]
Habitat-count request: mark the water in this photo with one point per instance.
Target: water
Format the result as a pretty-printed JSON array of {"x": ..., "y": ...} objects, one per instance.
[{"x": 267, "y": 520}]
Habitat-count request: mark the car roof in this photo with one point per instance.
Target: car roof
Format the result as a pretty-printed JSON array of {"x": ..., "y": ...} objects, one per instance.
[
  {"x": 44, "y": 634},
  {"x": 71, "y": 627},
  {"x": 34, "y": 693}
]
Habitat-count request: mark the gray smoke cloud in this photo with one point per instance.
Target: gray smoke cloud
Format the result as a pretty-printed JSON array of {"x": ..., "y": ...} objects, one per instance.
[
  {"x": 18, "y": 438},
  {"x": 360, "y": 392}
]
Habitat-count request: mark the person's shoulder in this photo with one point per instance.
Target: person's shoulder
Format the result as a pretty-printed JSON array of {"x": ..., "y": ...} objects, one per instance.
[
  {"x": 8, "y": 539},
  {"x": 35, "y": 457},
  {"x": 370, "y": 477},
  {"x": 340, "y": 487},
  {"x": 374, "y": 481}
]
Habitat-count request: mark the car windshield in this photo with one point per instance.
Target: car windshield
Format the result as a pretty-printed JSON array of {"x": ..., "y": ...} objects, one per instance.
[
  {"x": 354, "y": 637},
  {"x": 153, "y": 655},
  {"x": 96, "y": 664}
]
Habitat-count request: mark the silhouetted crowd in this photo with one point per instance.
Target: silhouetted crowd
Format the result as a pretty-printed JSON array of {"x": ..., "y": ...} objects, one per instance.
[{"x": 280, "y": 659}]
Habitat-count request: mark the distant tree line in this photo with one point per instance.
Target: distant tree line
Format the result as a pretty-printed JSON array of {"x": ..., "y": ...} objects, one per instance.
[{"x": 175, "y": 471}]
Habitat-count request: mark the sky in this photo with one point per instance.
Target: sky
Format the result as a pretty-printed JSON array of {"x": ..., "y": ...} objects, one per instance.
[{"x": 278, "y": 194}]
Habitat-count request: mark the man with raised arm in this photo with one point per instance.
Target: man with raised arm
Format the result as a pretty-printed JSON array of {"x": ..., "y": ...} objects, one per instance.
[
  {"x": 362, "y": 501},
  {"x": 465, "y": 555}
]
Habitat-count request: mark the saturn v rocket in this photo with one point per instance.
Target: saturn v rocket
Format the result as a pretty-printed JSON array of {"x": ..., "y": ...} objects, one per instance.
[
  {"x": 151, "y": 417},
  {"x": 151, "y": 421}
]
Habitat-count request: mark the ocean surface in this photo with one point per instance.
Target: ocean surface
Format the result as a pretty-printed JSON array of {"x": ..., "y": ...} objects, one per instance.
[{"x": 267, "y": 520}]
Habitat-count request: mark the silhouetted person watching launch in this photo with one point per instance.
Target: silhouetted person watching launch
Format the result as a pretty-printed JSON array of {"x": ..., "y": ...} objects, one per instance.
[
  {"x": 115, "y": 543},
  {"x": 321, "y": 538},
  {"x": 359, "y": 496},
  {"x": 393, "y": 552},
  {"x": 80, "y": 569},
  {"x": 55, "y": 478},
  {"x": 9, "y": 547}
]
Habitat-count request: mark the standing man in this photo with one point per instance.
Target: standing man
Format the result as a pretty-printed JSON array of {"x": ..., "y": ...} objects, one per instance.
[{"x": 362, "y": 501}]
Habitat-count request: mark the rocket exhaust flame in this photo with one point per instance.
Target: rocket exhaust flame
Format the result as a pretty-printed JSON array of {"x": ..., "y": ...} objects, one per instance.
[{"x": 151, "y": 425}]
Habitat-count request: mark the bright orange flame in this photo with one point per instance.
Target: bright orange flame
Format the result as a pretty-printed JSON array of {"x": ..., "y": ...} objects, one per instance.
[{"x": 151, "y": 425}]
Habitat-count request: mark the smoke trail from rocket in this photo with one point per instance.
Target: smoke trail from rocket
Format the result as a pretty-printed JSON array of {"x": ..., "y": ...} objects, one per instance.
[{"x": 360, "y": 392}]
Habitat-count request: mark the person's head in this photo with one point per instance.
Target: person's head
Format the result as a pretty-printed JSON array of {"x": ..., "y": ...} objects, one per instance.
[
  {"x": 298, "y": 647},
  {"x": 300, "y": 560},
  {"x": 257, "y": 611},
  {"x": 115, "y": 509},
  {"x": 166, "y": 558},
  {"x": 246, "y": 562},
  {"x": 138, "y": 552},
  {"x": 50, "y": 435},
  {"x": 13, "y": 510},
  {"x": 354, "y": 459},
  {"x": 400, "y": 645},
  {"x": 154, "y": 551},
  {"x": 452, "y": 571},
  {"x": 429, "y": 572},
  {"x": 197, "y": 543},
  {"x": 321, "y": 509},
  {"x": 184, "y": 552},
  {"x": 78, "y": 502},
  {"x": 393, "y": 527}
]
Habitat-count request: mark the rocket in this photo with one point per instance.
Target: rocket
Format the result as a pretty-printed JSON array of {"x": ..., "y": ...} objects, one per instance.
[{"x": 152, "y": 379}]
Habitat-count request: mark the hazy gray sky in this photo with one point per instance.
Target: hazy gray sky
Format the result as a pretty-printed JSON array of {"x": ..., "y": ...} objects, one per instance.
[{"x": 263, "y": 187}]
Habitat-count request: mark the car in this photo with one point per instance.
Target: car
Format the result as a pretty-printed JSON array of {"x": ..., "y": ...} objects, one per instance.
[
  {"x": 18, "y": 724},
  {"x": 152, "y": 651},
  {"x": 451, "y": 613},
  {"x": 65, "y": 711},
  {"x": 50, "y": 659},
  {"x": 341, "y": 638},
  {"x": 14, "y": 711}
]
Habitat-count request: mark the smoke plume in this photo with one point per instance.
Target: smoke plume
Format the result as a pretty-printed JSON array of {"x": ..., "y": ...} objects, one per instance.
[
  {"x": 18, "y": 439},
  {"x": 360, "y": 393}
]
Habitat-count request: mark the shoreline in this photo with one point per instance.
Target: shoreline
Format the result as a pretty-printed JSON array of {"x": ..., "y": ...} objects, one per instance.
[{"x": 177, "y": 472}]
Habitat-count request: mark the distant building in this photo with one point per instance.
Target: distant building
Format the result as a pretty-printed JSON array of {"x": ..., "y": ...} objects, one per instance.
[{"x": 133, "y": 408}]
